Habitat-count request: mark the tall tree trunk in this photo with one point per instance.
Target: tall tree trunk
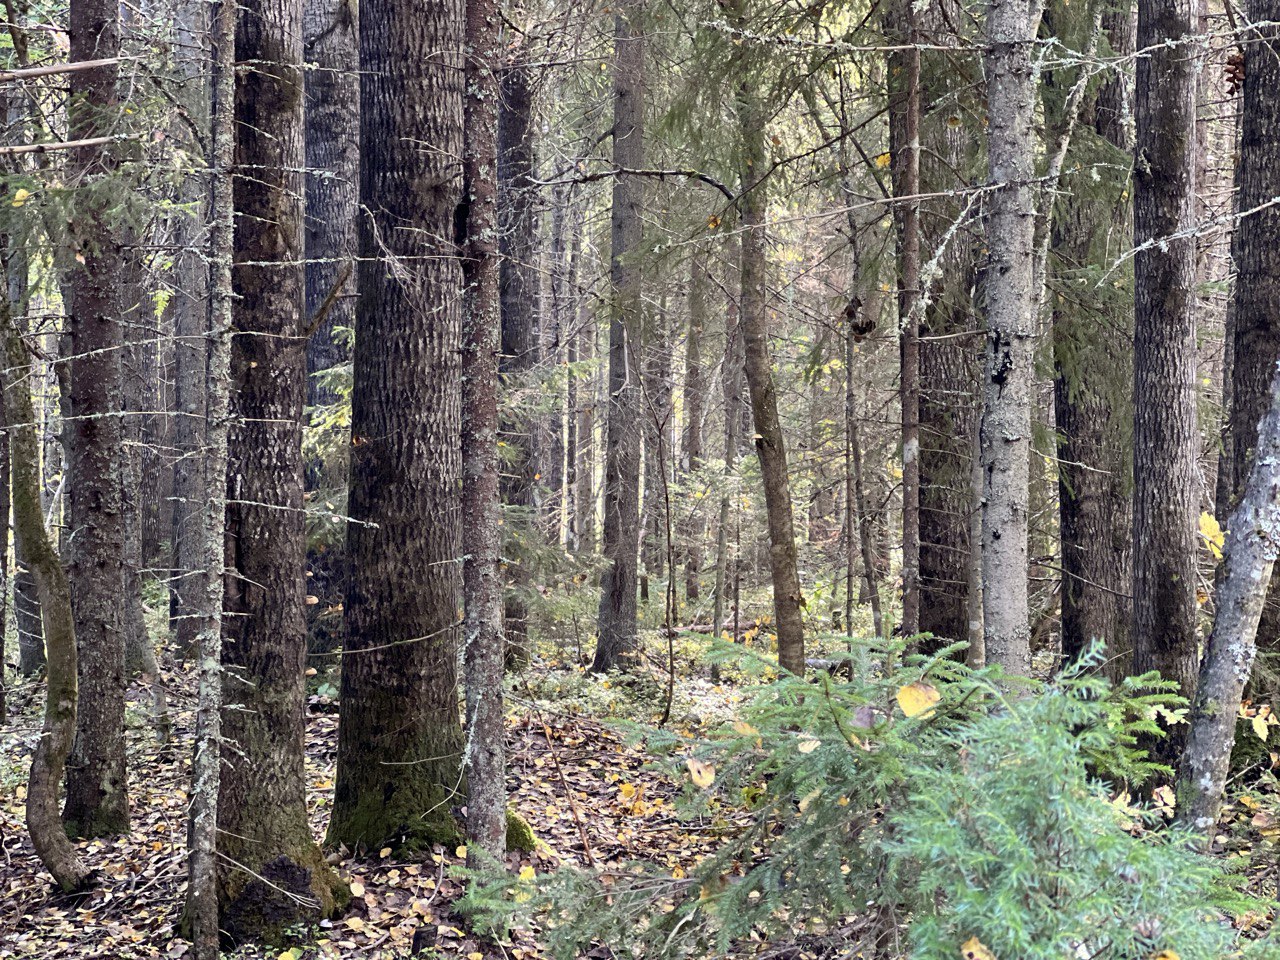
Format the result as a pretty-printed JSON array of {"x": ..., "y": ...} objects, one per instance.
[
  {"x": 481, "y": 504},
  {"x": 273, "y": 874},
  {"x": 332, "y": 135},
  {"x": 616, "y": 629},
  {"x": 190, "y": 305},
  {"x": 1093, "y": 375},
  {"x": 97, "y": 799},
  {"x": 695, "y": 398},
  {"x": 1165, "y": 437},
  {"x": 769, "y": 441},
  {"x": 1006, "y": 417},
  {"x": 201, "y": 908},
  {"x": 399, "y": 736},
  {"x": 904, "y": 136},
  {"x": 1257, "y": 261},
  {"x": 518, "y": 285},
  {"x": 48, "y": 835},
  {"x": 731, "y": 376},
  {"x": 585, "y": 414}
]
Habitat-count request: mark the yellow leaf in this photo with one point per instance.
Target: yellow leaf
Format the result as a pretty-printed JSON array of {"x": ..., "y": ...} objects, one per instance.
[
  {"x": 744, "y": 729},
  {"x": 918, "y": 698},
  {"x": 1259, "y": 725},
  {"x": 461, "y": 852},
  {"x": 475, "y": 955},
  {"x": 883, "y": 161},
  {"x": 357, "y": 888},
  {"x": 384, "y": 853},
  {"x": 1213, "y": 534},
  {"x": 809, "y": 745},
  {"x": 527, "y": 873},
  {"x": 354, "y": 923},
  {"x": 293, "y": 953},
  {"x": 808, "y": 799},
  {"x": 703, "y": 774},
  {"x": 975, "y": 949},
  {"x": 1166, "y": 955},
  {"x": 20, "y": 197}
]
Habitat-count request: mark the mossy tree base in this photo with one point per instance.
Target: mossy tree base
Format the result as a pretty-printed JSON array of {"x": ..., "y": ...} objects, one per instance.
[
  {"x": 284, "y": 896},
  {"x": 413, "y": 818}
]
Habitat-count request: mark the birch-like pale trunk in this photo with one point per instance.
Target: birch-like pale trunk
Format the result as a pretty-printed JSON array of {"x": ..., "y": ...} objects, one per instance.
[
  {"x": 1253, "y": 541},
  {"x": 484, "y": 756},
  {"x": 1006, "y": 417},
  {"x": 202, "y": 886}
]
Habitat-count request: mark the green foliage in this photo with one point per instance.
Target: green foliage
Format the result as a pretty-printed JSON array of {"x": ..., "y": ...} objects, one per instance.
[
  {"x": 1016, "y": 845},
  {"x": 918, "y": 792}
]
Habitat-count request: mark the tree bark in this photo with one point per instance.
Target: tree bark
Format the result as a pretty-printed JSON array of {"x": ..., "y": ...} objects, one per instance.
[
  {"x": 518, "y": 291},
  {"x": 48, "y": 834},
  {"x": 97, "y": 801},
  {"x": 485, "y": 765},
  {"x": 616, "y": 629},
  {"x": 1253, "y": 536},
  {"x": 272, "y": 874},
  {"x": 904, "y": 136},
  {"x": 1165, "y": 434},
  {"x": 1093, "y": 375},
  {"x": 332, "y": 119},
  {"x": 201, "y": 909},
  {"x": 399, "y": 736},
  {"x": 1256, "y": 334},
  {"x": 1006, "y": 417},
  {"x": 769, "y": 440}
]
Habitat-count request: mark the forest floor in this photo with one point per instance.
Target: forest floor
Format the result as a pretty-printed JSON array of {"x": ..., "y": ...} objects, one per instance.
[{"x": 589, "y": 795}]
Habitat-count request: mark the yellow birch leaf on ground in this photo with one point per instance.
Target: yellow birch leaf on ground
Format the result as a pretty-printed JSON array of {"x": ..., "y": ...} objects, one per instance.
[
  {"x": 975, "y": 949},
  {"x": 1259, "y": 724},
  {"x": 1166, "y": 955},
  {"x": 357, "y": 888},
  {"x": 527, "y": 873},
  {"x": 461, "y": 853},
  {"x": 354, "y": 923},
  {"x": 809, "y": 745},
  {"x": 703, "y": 774},
  {"x": 918, "y": 698}
]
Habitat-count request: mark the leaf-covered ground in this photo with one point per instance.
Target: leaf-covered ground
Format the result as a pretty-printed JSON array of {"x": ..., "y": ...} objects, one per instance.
[{"x": 589, "y": 796}]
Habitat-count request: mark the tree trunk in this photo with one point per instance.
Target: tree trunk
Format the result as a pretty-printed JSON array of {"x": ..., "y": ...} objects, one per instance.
[
  {"x": 1257, "y": 261},
  {"x": 518, "y": 286},
  {"x": 48, "y": 835},
  {"x": 26, "y": 600},
  {"x": 273, "y": 874},
  {"x": 695, "y": 397},
  {"x": 616, "y": 631},
  {"x": 481, "y": 504},
  {"x": 332, "y": 119},
  {"x": 1165, "y": 437},
  {"x": 1093, "y": 374},
  {"x": 201, "y": 909},
  {"x": 399, "y": 736},
  {"x": 1006, "y": 417},
  {"x": 656, "y": 417},
  {"x": 904, "y": 136},
  {"x": 97, "y": 799},
  {"x": 1250, "y": 555},
  {"x": 770, "y": 443}
]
